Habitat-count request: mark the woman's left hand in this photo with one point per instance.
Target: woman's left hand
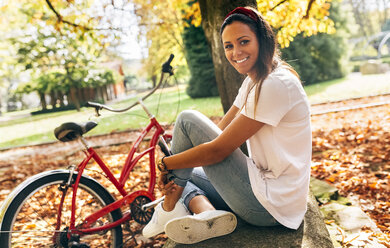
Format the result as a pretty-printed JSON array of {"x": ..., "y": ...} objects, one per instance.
[{"x": 165, "y": 186}]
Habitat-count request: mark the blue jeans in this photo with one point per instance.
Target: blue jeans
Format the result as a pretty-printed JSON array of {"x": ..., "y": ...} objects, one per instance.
[{"x": 225, "y": 184}]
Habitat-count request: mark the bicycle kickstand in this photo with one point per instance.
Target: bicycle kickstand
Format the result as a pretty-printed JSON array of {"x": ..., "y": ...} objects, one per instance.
[{"x": 152, "y": 204}]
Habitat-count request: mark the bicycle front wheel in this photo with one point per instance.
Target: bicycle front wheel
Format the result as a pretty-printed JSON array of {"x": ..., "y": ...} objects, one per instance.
[{"x": 29, "y": 214}]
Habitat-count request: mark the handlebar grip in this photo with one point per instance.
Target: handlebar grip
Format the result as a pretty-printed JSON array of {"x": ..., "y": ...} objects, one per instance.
[
  {"x": 170, "y": 59},
  {"x": 166, "y": 67},
  {"x": 94, "y": 105}
]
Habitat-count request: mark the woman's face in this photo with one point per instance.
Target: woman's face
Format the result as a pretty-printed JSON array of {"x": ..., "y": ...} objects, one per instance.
[{"x": 241, "y": 48}]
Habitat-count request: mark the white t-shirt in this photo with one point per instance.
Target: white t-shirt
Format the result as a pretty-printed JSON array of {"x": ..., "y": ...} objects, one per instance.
[{"x": 280, "y": 152}]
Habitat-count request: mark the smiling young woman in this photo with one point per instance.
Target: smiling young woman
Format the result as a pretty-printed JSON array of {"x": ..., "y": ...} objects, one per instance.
[{"x": 271, "y": 114}]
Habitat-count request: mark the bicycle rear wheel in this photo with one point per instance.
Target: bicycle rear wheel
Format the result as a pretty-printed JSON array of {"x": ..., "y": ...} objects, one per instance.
[{"x": 29, "y": 214}]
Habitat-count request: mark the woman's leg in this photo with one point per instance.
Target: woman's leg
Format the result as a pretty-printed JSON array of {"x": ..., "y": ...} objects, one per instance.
[
  {"x": 199, "y": 185},
  {"x": 232, "y": 193},
  {"x": 191, "y": 129},
  {"x": 229, "y": 178},
  {"x": 185, "y": 136}
]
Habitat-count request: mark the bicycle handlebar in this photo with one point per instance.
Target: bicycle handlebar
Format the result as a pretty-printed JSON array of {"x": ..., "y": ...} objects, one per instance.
[{"x": 166, "y": 68}]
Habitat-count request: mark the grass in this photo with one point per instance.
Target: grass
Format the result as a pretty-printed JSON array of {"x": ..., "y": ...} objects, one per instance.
[{"x": 164, "y": 105}]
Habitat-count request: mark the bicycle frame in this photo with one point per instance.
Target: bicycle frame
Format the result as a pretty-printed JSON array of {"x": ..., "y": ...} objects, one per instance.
[{"x": 119, "y": 184}]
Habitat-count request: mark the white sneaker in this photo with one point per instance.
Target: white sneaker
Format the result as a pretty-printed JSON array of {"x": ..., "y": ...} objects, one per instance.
[
  {"x": 161, "y": 217},
  {"x": 195, "y": 228}
]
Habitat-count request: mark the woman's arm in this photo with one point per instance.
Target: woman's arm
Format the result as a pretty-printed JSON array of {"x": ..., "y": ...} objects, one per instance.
[
  {"x": 228, "y": 117},
  {"x": 236, "y": 133}
]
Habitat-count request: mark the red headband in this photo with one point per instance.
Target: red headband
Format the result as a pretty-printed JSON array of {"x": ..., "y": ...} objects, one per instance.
[{"x": 244, "y": 11}]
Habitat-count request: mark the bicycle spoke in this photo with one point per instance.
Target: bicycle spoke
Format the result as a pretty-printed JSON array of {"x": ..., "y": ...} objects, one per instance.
[
  {"x": 32, "y": 216},
  {"x": 35, "y": 211},
  {"x": 35, "y": 222},
  {"x": 37, "y": 214}
]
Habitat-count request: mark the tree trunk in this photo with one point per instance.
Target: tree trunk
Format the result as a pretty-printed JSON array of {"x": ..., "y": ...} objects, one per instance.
[
  {"x": 43, "y": 100},
  {"x": 53, "y": 99},
  {"x": 91, "y": 93},
  {"x": 61, "y": 98},
  {"x": 154, "y": 80},
  {"x": 99, "y": 94},
  {"x": 79, "y": 95},
  {"x": 74, "y": 98},
  {"x": 228, "y": 79},
  {"x": 105, "y": 93}
]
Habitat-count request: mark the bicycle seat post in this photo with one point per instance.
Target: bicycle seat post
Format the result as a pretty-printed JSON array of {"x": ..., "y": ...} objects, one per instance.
[{"x": 84, "y": 142}]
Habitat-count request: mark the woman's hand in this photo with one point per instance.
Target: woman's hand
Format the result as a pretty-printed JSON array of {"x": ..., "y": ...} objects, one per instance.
[{"x": 165, "y": 186}]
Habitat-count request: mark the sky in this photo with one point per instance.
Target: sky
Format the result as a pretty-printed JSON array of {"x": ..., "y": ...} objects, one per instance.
[{"x": 122, "y": 16}]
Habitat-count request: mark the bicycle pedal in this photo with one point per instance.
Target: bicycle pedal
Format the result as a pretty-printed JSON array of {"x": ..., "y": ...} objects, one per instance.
[
  {"x": 78, "y": 245},
  {"x": 152, "y": 204}
]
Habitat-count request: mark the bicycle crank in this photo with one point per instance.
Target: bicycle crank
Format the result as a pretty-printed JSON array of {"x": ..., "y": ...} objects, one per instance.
[
  {"x": 74, "y": 242},
  {"x": 138, "y": 212}
]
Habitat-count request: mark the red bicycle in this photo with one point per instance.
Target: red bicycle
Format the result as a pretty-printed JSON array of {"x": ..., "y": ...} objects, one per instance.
[{"x": 65, "y": 208}]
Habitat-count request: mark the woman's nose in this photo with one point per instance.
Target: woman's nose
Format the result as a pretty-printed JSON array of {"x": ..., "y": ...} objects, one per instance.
[{"x": 237, "y": 52}]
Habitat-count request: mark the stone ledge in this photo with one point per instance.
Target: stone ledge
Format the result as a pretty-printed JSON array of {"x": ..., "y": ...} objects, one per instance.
[{"x": 311, "y": 234}]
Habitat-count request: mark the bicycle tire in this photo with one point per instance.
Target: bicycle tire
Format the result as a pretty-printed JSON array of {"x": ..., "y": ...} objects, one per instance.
[{"x": 33, "y": 205}]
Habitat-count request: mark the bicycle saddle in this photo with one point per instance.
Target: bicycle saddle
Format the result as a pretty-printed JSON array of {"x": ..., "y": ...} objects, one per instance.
[{"x": 69, "y": 131}]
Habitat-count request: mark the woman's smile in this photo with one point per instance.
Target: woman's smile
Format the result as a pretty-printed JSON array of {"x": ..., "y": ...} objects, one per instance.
[{"x": 243, "y": 60}]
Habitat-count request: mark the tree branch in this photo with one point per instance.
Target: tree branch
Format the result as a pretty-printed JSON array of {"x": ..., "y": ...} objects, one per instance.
[
  {"x": 280, "y": 3},
  {"x": 309, "y": 5},
  {"x": 61, "y": 19}
]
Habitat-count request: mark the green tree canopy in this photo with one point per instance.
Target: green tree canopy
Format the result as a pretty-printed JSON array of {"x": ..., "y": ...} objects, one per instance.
[{"x": 323, "y": 56}]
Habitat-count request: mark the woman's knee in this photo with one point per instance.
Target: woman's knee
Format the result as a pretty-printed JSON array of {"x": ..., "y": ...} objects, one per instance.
[{"x": 187, "y": 115}]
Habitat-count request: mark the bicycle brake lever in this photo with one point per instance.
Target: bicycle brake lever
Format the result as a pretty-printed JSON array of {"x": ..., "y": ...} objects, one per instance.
[
  {"x": 97, "y": 114},
  {"x": 166, "y": 67}
]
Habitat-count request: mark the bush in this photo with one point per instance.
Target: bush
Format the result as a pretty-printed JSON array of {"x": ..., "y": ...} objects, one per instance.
[
  {"x": 52, "y": 110},
  {"x": 202, "y": 82},
  {"x": 320, "y": 57}
]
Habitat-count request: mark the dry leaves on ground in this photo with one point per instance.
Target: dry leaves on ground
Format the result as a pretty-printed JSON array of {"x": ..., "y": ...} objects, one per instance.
[{"x": 351, "y": 150}]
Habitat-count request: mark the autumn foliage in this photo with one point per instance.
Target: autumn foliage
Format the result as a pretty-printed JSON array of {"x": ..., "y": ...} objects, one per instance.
[{"x": 351, "y": 150}]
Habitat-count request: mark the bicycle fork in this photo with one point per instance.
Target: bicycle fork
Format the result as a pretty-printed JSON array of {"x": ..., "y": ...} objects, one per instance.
[{"x": 63, "y": 188}]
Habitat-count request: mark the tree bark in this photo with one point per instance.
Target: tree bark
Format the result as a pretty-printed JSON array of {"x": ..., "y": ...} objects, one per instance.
[
  {"x": 105, "y": 93},
  {"x": 43, "y": 100},
  {"x": 154, "y": 80},
  {"x": 99, "y": 94},
  {"x": 228, "y": 79},
  {"x": 53, "y": 99},
  {"x": 61, "y": 98},
  {"x": 74, "y": 98},
  {"x": 91, "y": 93},
  {"x": 80, "y": 95}
]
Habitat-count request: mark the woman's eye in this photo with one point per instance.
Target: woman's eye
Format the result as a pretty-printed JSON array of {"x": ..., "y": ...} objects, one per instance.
[
  {"x": 243, "y": 42},
  {"x": 228, "y": 46}
]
